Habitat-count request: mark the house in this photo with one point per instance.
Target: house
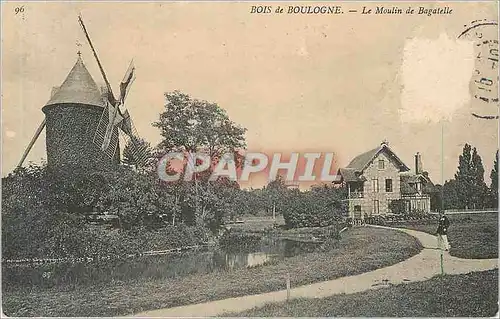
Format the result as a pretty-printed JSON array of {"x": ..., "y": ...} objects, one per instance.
[{"x": 376, "y": 178}]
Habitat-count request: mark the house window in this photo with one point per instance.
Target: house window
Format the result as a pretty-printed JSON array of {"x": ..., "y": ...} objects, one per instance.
[
  {"x": 381, "y": 164},
  {"x": 389, "y": 201},
  {"x": 375, "y": 185},
  {"x": 388, "y": 185},
  {"x": 376, "y": 208}
]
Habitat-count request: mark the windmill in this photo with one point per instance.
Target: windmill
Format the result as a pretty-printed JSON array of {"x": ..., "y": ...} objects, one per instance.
[
  {"x": 82, "y": 122},
  {"x": 116, "y": 113}
]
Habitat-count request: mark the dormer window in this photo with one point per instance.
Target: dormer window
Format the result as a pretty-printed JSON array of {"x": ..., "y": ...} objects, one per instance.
[
  {"x": 419, "y": 186},
  {"x": 381, "y": 164}
]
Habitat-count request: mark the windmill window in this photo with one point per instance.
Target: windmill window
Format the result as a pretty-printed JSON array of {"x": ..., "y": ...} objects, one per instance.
[{"x": 381, "y": 164}]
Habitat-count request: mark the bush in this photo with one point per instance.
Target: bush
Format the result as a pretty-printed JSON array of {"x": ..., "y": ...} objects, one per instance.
[
  {"x": 238, "y": 239},
  {"x": 316, "y": 208},
  {"x": 397, "y": 206},
  {"x": 108, "y": 250}
]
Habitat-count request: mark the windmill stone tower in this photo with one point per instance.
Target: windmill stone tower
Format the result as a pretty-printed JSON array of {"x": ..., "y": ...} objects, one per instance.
[{"x": 72, "y": 116}]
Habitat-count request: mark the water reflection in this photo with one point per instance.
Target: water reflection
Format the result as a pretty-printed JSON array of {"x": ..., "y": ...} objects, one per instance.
[
  {"x": 271, "y": 249},
  {"x": 178, "y": 265}
]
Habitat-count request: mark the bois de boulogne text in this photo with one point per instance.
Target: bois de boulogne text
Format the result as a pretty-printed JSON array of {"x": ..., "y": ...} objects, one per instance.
[{"x": 365, "y": 10}]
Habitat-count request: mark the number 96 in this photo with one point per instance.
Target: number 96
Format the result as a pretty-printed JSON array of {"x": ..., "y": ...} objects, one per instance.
[{"x": 19, "y": 9}]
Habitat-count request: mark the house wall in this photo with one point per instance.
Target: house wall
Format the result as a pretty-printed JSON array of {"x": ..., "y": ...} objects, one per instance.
[
  {"x": 390, "y": 171},
  {"x": 421, "y": 203}
]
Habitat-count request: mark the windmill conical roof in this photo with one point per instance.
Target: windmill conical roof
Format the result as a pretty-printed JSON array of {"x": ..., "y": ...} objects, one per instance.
[{"x": 79, "y": 87}]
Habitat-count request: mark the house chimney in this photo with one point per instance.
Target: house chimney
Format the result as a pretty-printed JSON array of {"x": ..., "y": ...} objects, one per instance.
[{"x": 418, "y": 164}]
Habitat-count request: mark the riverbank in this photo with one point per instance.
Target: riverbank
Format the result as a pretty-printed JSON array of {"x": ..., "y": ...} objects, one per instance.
[
  {"x": 470, "y": 295},
  {"x": 359, "y": 250}
]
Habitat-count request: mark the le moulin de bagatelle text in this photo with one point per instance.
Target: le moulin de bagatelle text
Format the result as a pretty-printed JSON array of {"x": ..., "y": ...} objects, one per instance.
[{"x": 383, "y": 10}]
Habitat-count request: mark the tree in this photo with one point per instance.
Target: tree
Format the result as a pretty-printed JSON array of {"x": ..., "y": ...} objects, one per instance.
[
  {"x": 135, "y": 199},
  {"x": 437, "y": 198},
  {"x": 275, "y": 191},
  {"x": 321, "y": 206},
  {"x": 470, "y": 185},
  {"x": 494, "y": 183},
  {"x": 191, "y": 125}
]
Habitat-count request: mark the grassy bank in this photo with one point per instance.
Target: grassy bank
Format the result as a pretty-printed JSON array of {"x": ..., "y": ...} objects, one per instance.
[
  {"x": 470, "y": 235},
  {"x": 470, "y": 295},
  {"x": 359, "y": 250}
]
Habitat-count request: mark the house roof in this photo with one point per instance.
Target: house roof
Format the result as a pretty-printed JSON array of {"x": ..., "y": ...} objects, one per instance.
[
  {"x": 79, "y": 87},
  {"x": 350, "y": 175},
  {"x": 408, "y": 182},
  {"x": 360, "y": 162}
]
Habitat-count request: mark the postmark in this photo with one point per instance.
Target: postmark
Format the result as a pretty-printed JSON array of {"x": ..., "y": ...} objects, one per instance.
[{"x": 484, "y": 82}]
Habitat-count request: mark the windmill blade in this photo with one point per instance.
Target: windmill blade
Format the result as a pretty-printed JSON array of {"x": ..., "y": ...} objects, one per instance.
[
  {"x": 101, "y": 134},
  {"x": 111, "y": 96},
  {"x": 127, "y": 81},
  {"x": 113, "y": 120},
  {"x": 32, "y": 142},
  {"x": 127, "y": 126},
  {"x": 140, "y": 151}
]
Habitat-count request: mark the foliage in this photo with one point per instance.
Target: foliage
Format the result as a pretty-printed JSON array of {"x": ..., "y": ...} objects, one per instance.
[
  {"x": 45, "y": 213},
  {"x": 397, "y": 206},
  {"x": 321, "y": 206},
  {"x": 494, "y": 183},
  {"x": 275, "y": 195},
  {"x": 135, "y": 199},
  {"x": 437, "y": 198},
  {"x": 232, "y": 239},
  {"x": 470, "y": 189},
  {"x": 191, "y": 125}
]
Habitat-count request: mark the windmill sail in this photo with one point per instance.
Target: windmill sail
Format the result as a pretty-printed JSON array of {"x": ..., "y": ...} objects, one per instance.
[
  {"x": 110, "y": 94},
  {"x": 108, "y": 141},
  {"x": 139, "y": 149},
  {"x": 115, "y": 114},
  {"x": 32, "y": 142},
  {"x": 127, "y": 81}
]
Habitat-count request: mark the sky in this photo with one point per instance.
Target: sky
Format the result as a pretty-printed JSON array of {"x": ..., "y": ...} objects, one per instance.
[{"x": 298, "y": 83}]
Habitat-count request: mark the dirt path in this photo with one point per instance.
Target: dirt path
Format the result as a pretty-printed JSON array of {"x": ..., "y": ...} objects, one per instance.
[{"x": 417, "y": 268}]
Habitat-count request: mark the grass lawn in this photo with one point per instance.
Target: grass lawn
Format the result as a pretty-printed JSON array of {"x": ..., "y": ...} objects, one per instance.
[
  {"x": 470, "y": 235},
  {"x": 360, "y": 250},
  {"x": 470, "y": 295}
]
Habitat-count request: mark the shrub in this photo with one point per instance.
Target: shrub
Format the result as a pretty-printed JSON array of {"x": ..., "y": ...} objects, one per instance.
[{"x": 316, "y": 208}]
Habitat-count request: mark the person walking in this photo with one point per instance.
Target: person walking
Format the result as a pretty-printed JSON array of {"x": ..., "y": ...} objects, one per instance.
[{"x": 442, "y": 232}]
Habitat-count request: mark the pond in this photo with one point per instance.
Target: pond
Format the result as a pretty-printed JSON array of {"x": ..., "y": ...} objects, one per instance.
[{"x": 176, "y": 265}]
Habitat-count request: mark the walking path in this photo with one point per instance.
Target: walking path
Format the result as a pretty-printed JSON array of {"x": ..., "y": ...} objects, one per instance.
[{"x": 420, "y": 267}]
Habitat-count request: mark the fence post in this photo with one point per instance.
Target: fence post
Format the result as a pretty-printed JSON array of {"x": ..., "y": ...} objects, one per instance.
[{"x": 288, "y": 286}]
